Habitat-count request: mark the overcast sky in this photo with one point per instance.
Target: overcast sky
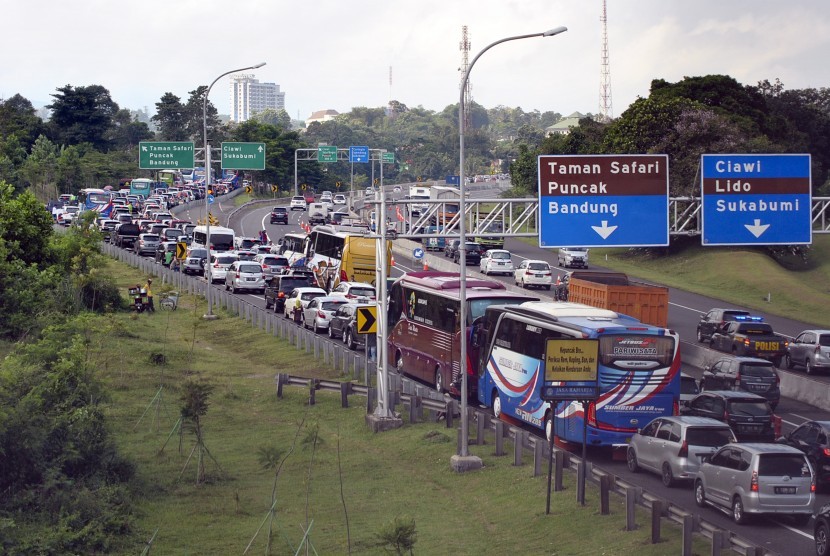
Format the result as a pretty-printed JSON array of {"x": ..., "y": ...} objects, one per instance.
[{"x": 337, "y": 53}]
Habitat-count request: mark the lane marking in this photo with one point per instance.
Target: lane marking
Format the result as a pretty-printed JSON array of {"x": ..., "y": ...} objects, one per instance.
[{"x": 794, "y": 530}]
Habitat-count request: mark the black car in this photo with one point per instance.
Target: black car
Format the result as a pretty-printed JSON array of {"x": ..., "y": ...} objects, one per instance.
[
  {"x": 279, "y": 215},
  {"x": 343, "y": 325},
  {"x": 715, "y": 319},
  {"x": 749, "y": 415},
  {"x": 748, "y": 374},
  {"x": 278, "y": 288},
  {"x": 474, "y": 253},
  {"x": 812, "y": 439}
]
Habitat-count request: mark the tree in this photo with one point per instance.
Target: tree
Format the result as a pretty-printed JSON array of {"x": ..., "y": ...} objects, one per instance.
[
  {"x": 278, "y": 118},
  {"x": 19, "y": 119},
  {"x": 170, "y": 118},
  {"x": 82, "y": 115},
  {"x": 128, "y": 132},
  {"x": 40, "y": 168},
  {"x": 25, "y": 226},
  {"x": 70, "y": 171},
  {"x": 194, "y": 116}
]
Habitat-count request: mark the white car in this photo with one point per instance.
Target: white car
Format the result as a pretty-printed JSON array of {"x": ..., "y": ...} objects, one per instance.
[
  {"x": 319, "y": 311},
  {"x": 219, "y": 265},
  {"x": 244, "y": 275},
  {"x": 305, "y": 294},
  {"x": 496, "y": 261},
  {"x": 532, "y": 272},
  {"x": 352, "y": 291},
  {"x": 339, "y": 199},
  {"x": 297, "y": 203}
]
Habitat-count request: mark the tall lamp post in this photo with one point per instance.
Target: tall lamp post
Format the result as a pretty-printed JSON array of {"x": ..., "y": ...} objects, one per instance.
[
  {"x": 462, "y": 461},
  {"x": 208, "y": 296}
]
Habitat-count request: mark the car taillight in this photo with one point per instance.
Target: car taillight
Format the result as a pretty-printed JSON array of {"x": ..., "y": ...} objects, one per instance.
[
  {"x": 675, "y": 408},
  {"x": 321, "y": 314},
  {"x": 738, "y": 379},
  {"x": 746, "y": 342},
  {"x": 725, "y": 416},
  {"x": 684, "y": 450},
  {"x": 350, "y": 296},
  {"x": 343, "y": 276},
  {"x": 281, "y": 295},
  {"x": 753, "y": 482},
  {"x": 592, "y": 414},
  {"x": 215, "y": 265},
  {"x": 264, "y": 267},
  {"x": 826, "y": 452},
  {"x": 238, "y": 275}
]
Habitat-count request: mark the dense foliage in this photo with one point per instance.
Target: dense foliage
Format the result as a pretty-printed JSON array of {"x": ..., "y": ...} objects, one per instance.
[{"x": 64, "y": 485}]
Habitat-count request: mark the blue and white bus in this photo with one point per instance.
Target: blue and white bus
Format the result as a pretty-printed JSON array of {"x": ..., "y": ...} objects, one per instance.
[
  {"x": 638, "y": 374},
  {"x": 96, "y": 199}
]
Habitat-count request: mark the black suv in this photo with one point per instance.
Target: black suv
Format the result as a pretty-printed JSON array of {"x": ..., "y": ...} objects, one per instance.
[
  {"x": 747, "y": 374},
  {"x": 713, "y": 320},
  {"x": 474, "y": 252},
  {"x": 749, "y": 415},
  {"x": 278, "y": 288},
  {"x": 279, "y": 215}
]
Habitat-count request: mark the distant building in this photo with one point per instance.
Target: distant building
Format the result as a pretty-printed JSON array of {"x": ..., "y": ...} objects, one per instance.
[
  {"x": 564, "y": 126},
  {"x": 321, "y": 116},
  {"x": 249, "y": 96}
]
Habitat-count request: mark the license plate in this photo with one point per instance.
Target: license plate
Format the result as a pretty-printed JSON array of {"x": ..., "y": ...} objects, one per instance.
[
  {"x": 751, "y": 428},
  {"x": 785, "y": 490},
  {"x": 250, "y": 279},
  {"x": 758, "y": 387}
]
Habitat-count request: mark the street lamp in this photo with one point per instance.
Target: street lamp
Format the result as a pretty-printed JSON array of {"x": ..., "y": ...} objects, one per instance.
[
  {"x": 210, "y": 314},
  {"x": 463, "y": 461}
]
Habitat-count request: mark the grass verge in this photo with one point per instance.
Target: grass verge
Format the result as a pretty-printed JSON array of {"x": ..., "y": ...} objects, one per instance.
[{"x": 337, "y": 480}]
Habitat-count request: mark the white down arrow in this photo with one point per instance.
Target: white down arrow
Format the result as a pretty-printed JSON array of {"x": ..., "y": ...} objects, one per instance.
[{"x": 605, "y": 230}]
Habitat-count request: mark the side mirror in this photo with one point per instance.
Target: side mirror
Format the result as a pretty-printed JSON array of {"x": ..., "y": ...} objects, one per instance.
[{"x": 705, "y": 458}]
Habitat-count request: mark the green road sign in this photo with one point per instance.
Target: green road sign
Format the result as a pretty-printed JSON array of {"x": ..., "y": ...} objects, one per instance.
[
  {"x": 387, "y": 158},
  {"x": 168, "y": 155},
  {"x": 243, "y": 156},
  {"x": 327, "y": 153}
]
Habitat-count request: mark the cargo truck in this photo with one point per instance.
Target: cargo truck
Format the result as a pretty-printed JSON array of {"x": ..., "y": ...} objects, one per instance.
[{"x": 613, "y": 290}]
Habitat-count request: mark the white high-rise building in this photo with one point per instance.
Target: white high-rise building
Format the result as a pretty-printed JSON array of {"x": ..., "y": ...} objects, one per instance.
[{"x": 249, "y": 96}]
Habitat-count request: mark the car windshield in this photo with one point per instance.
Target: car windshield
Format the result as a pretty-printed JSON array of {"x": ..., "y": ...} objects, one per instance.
[
  {"x": 331, "y": 305},
  {"x": 288, "y": 284},
  {"x": 200, "y": 253},
  {"x": 151, "y": 237},
  {"x": 225, "y": 260},
  {"x": 758, "y": 370},
  {"x": 500, "y": 255},
  {"x": 272, "y": 261},
  {"x": 746, "y": 407},
  {"x": 782, "y": 465},
  {"x": 249, "y": 268},
  {"x": 538, "y": 266},
  {"x": 709, "y": 437},
  {"x": 824, "y": 340},
  {"x": 308, "y": 296}
]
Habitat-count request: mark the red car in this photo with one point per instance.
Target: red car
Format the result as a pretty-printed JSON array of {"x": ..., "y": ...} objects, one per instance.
[{"x": 309, "y": 197}]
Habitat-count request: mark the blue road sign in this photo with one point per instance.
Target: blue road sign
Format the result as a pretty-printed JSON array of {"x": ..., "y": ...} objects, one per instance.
[
  {"x": 604, "y": 200},
  {"x": 756, "y": 199},
  {"x": 358, "y": 154},
  {"x": 418, "y": 253},
  {"x": 453, "y": 180},
  {"x": 210, "y": 199}
]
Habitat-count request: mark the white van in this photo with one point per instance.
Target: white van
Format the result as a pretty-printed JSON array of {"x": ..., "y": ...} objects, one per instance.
[{"x": 573, "y": 257}]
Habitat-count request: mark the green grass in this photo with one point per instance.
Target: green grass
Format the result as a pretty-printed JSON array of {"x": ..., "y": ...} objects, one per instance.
[
  {"x": 800, "y": 290},
  {"x": 403, "y": 473}
]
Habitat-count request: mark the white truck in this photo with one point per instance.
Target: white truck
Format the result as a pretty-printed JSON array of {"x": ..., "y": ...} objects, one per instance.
[
  {"x": 447, "y": 210},
  {"x": 416, "y": 193},
  {"x": 317, "y": 213}
]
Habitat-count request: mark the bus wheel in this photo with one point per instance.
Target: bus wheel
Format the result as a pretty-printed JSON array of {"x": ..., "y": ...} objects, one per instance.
[
  {"x": 496, "y": 404},
  {"x": 439, "y": 381}
]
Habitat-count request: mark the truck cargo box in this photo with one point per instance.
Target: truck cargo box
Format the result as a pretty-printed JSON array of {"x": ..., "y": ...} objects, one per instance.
[{"x": 614, "y": 291}]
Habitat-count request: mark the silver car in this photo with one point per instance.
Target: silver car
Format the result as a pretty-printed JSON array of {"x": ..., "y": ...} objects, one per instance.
[
  {"x": 744, "y": 479},
  {"x": 674, "y": 447},
  {"x": 219, "y": 265},
  {"x": 317, "y": 314},
  {"x": 244, "y": 275},
  {"x": 811, "y": 348}
]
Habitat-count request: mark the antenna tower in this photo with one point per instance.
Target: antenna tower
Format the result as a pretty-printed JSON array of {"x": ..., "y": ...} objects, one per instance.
[
  {"x": 605, "y": 110},
  {"x": 464, "y": 46}
]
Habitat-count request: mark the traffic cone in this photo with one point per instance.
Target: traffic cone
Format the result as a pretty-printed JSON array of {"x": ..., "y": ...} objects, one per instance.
[
  {"x": 426, "y": 266},
  {"x": 559, "y": 280},
  {"x": 392, "y": 263}
]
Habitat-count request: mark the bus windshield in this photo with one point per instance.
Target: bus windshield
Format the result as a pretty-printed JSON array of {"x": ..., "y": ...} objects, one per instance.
[{"x": 341, "y": 256}]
